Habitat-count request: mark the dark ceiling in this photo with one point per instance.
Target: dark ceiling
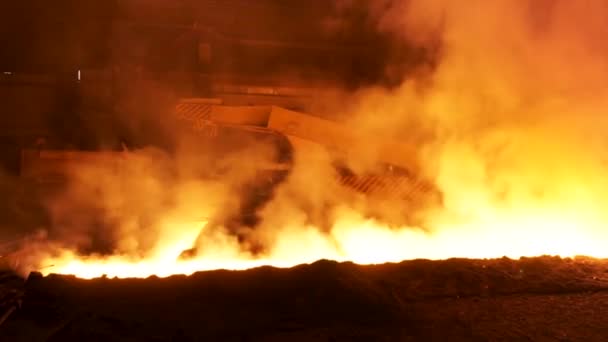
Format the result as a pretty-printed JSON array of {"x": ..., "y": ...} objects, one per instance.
[{"x": 246, "y": 37}]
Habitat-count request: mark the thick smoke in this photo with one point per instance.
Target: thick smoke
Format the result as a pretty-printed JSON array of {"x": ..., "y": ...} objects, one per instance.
[
  {"x": 508, "y": 123},
  {"x": 514, "y": 112}
]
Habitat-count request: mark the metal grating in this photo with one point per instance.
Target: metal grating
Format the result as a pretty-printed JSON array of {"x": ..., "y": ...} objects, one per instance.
[
  {"x": 198, "y": 114},
  {"x": 388, "y": 187}
]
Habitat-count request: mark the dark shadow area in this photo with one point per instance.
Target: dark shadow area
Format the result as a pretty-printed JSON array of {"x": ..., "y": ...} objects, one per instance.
[{"x": 457, "y": 300}]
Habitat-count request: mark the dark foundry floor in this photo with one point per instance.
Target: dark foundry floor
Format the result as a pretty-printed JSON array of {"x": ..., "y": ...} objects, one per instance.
[{"x": 532, "y": 299}]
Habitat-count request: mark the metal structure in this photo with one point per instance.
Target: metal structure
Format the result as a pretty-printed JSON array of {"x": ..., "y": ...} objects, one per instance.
[
  {"x": 220, "y": 131},
  {"x": 399, "y": 180}
]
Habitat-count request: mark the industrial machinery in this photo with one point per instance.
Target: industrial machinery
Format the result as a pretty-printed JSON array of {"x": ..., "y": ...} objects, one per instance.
[
  {"x": 395, "y": 178},
  {"x": 219, "y": 131}
]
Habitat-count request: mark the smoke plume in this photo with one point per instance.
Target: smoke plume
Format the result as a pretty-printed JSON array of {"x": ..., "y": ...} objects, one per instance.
[
  {"x": 508, "y": 123},
  {"x": 514, "y": 113}
]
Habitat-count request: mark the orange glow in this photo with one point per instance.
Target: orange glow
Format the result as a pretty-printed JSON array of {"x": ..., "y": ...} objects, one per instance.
[
  {"x": 516, "y": 111},
  {"x": 358, "y": 240}
]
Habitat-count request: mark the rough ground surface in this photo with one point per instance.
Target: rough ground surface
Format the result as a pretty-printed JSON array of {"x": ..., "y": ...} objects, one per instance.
[{"x": 534, "y": 299}]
